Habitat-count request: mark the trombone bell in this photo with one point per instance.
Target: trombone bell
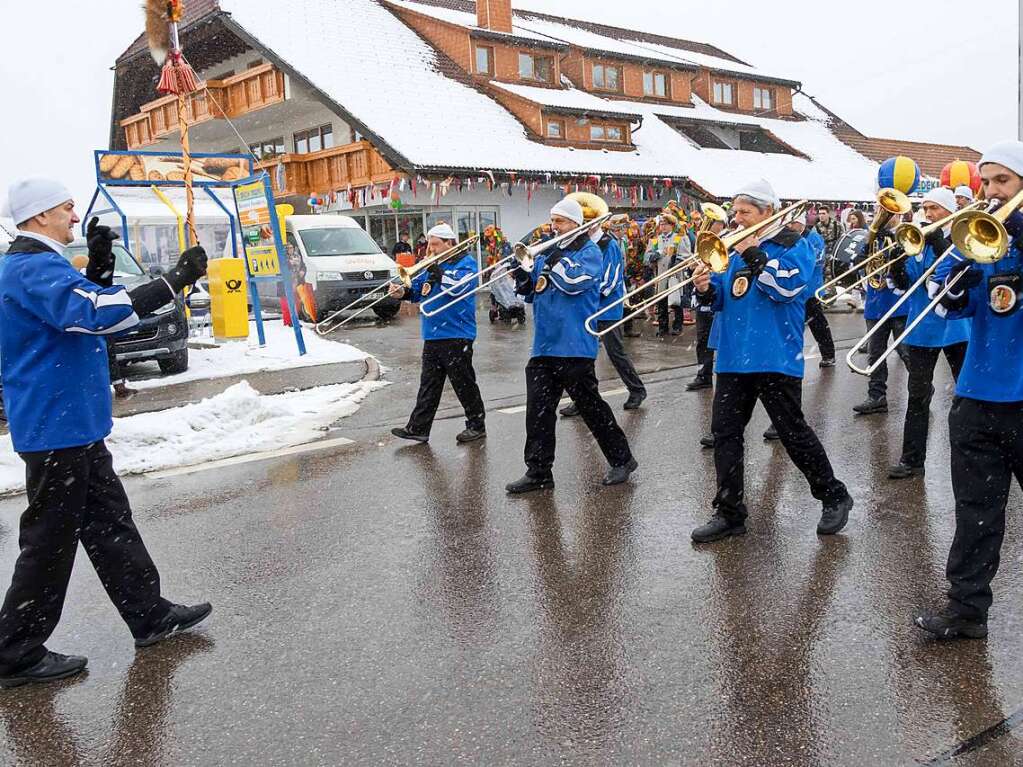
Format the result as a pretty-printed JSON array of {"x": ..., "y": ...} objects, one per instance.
[{"x": 981, "y": 236}]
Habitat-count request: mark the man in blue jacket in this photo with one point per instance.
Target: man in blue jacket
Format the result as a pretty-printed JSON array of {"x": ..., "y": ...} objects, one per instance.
[
  {"x": 760, "y": 304},
  {"x": 612, "y": 288},
  {"x": 815, "y": 316},
  {"x": 56, "y": 389},
  {"x": 928, "y": 340},
  {"x": 564, "y": 289},
  {"x": 986, "y": 420},
  {"x": 448, "y": 336}
]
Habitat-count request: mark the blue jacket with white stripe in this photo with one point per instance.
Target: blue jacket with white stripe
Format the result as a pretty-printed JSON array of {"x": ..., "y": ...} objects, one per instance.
[
  {"x": 760, "y": 317},
  {"x": 459, "y": 321},
  {"x": 612, "y": 279},
  {"x": 54, "y": 358},
  {"x": 564, "y": 289},
  {"x": 819, "y": 251}
]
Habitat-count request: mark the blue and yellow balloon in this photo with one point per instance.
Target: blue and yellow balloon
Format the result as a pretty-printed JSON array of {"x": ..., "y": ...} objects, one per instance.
[{"x": 899, "y": 173}]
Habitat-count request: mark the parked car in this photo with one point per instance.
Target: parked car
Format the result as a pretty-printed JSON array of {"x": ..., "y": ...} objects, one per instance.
[
  {"x": 161, "y": 336},
  {"x": 342, "y": 264}
]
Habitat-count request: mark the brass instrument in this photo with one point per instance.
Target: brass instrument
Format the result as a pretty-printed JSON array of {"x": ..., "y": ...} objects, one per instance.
[
  {"x": 405, "y": 276},
  {"x": 979, "y": 236},
  {"x": 711, "y": 250}
]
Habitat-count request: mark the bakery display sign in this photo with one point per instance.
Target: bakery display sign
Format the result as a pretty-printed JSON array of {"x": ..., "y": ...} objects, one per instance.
[{"x": 168, "y": 169}]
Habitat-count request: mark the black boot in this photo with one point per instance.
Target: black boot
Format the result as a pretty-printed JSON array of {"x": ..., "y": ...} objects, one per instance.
[
  {"x": 717, "y": 528},
  {"x": 179, "y": 618},
  {"x": 707, "y": 442},
  {"x": 905, "y": 471},
  {"x": 470, "y": 435},
  {"x": 569, "y": 411},
  {"x": 835, "y": 516},
  {"x": 528, "y": 484},
  {"x": 52, "y": 667},
  {"x": 406, "y": 434},
  {"x": 634, "y": 401},
  {"x": 827, "y": 362},
  {"x": 699, "y": 383},
  {"x": 871, "y": 405},
  {"x": 771, "y": 434},
  {"x": 950, "y": 624},
  {"x": 616, "y": 475}
]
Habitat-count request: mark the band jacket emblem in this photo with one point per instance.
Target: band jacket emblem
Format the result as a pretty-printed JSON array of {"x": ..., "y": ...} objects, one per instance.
[
  {"x": 427, "y": 289},
  {"x": 1004, "y": 293},
  {"x": 741, "y": 283},
  {"x": 541, "y": 284}
]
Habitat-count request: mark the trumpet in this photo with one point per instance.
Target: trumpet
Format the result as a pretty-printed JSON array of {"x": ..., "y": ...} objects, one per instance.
[
  {"x": 405, "y": 276},
  {"x": 978, "y": 235},
  {"x": 911, "y": 237},
  {"x": 711, "y": 250},
  {"x": 523, "y": 257}
]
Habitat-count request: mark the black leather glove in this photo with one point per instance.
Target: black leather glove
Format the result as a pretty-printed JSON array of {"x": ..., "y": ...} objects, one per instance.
[
  {"x": 969, "y": 281},
  {"x": 936, "y": 239},
  {"x": 899, "y": 276},
  {"x": 436, "y": 273},
  {"x": 523, "y": 281},
  {"x": 706, "y": 298},
  {"x": 191, "y": 267},
  {"x": 755, "y": 259},
  {"x": 100, "y": 268},
  {"x": 1014, "y": 224}
]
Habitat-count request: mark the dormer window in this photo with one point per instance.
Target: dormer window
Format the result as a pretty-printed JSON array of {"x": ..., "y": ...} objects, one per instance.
[
  {"x": 763, "y": 99},
  {"x": 655, "y": 84},
  {"x": 556, "y": 129},
  {"x": 607, "y": 78},
  {"x": 538, "y": 68},
  {"x": 485, "y": 60},
  {"x": 724, "y": 94},
  {"x": 607, "y": 133}
]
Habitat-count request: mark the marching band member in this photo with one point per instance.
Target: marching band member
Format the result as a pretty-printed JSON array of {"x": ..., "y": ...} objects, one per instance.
[
  {"x": 815, "y": 317},
  {"x": 448, "y": 337},
  {"x": 964, "y": 196},
  {"x": 612, "y": 288},
  {"x": 668, "y": 248},
  {"x": 986, "y": 420},
  {"x": 876, "y": 305},
  {"x": 564, "y": 289},
  {"x": 760, "y": 304},
  {"x": 928, "y": 340},
  {"x": 56, "y": 388},
  {"x": 704, "y": 378}
]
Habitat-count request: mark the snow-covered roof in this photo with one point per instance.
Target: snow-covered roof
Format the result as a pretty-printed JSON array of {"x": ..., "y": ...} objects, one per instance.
[
  {"x": 465, "y": 19},
  {"x": 567, "y": 98},
  {"x": 398, "y": 103}
]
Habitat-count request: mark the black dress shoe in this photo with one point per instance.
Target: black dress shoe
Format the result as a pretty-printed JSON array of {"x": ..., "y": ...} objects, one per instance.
[
  {"x": 870, "y": 406},
  {"x": 52, "y": 667},
  {"x": 634, "y": 401},
  {"x": 699, "y": 383},
  {"x": 949, "y": 624},
  {"x": 707, "y": 442},
  {"x": 528, "y": 484},
  {"x": 179, "y": 618},
  {"x": 834, "y": 516},
  {"x": 618, "y": 474},
  {"x": 676, "y": 331},
  {"x": 632, "y": 334},
  {"x": 771, "y": 434},
  {"x": 905, "y": 471},
  {"x": 661, "y": 333},
  {"x": 470, "y": 435},
  {"x": 406, "y": 434},
  {"x": 827, "y": 362},
  {"x": 717, "y": 528},
  {"x": 569, "y": 411}
]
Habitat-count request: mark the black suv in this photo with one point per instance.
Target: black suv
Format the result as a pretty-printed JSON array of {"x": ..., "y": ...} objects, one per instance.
[{"x": 161, "y": 336}]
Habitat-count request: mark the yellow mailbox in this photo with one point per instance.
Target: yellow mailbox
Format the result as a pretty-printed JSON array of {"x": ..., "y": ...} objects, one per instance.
[{"x": 229, "y": 298}]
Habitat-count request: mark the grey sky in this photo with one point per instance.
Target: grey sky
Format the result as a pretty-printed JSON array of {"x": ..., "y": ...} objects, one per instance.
[{"x": 944, "y": 70}]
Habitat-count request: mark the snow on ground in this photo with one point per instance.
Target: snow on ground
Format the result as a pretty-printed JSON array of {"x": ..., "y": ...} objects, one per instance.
[
  {"x": 237, "y": 422},
  {"x": 245, "y": 357}
]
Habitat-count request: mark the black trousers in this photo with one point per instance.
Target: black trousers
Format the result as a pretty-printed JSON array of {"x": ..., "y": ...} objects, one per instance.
[
  {"x": 704, "y": 354},
  {"x": 662, "y": 316},
  {"x": 734, "y": 399},
  {"x": 920, "y": 361},
  {"x": 987, "y": 451},
  {"x": 547, "y": 378},
  {"x": 819, "y": 328},
  {"x": 614, "y": 345},
  {"x": 878, "y": 386},
  {"x": 74, "y": 495},
  {"x": 451, "y": 359}
]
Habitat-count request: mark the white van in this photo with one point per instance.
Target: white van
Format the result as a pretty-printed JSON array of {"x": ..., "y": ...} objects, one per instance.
[{"x": 342, "y": 263}]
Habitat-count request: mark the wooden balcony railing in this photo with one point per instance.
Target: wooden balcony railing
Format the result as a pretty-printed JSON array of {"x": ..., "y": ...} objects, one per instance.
[
  {"x": 233, "y": 96},
  {"x": 358, "y": 164}
]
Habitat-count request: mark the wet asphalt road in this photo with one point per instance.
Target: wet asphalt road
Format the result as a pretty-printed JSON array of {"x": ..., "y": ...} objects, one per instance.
[{"x": 385, "y": 604}]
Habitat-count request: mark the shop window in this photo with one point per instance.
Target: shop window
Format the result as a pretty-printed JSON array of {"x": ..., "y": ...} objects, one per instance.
[
  {"x": 267, "y": 150},
  {"x": 555, "y": 129},
  {"x": 314, "y": 139},
  {"x": 607, "y": 78},
  {"x": 724, "y": 94},
  {"x": 763, "y": 99},
  {"x": 540, "y": 68},
  {"x": 607, "y": 133},
  {"x": 655, "y": 84},
  {"x": 484, "y": 60}
]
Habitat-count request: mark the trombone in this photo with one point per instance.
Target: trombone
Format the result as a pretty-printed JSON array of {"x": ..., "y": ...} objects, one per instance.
[
  {"x": 912, "y": 237},
  {"x": 978, "y": 235},
  {"x": 711, "y": 250},
  {"x": 523, "y": 257},
  {"x": 405, "y": 276}
]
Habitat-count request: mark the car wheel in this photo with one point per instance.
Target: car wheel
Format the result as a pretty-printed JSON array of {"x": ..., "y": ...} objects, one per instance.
[{"x": 176, "y": 363}]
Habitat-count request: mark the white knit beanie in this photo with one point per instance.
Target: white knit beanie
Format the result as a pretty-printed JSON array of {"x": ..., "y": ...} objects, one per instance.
[
  {"x": 1007, "y": 153},
  {"x": 32, "y": 196},
  {"x": 570, "y": 209},
  {"x": 944, "y": 197},
  {"x": 964, "y": 191},
  {"x": 761, "y": 191},
  {"x": 442, "y": 232}
]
